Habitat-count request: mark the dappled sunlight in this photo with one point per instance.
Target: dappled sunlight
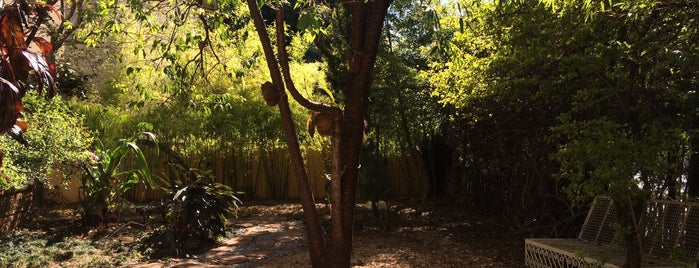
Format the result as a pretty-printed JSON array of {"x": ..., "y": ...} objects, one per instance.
[{"x": 411, "y": 235}]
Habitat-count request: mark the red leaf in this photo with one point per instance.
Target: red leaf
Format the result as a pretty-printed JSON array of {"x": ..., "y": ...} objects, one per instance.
[
  {"x": 20, "y": 65},
  {"x": 10, "y": 108},
  {"x": 8, "y": 84},
  {"x": 42, "y": 70},
  {"x": 19, "y": 108},
  {"x": 17, "y": 134},
  {"x": 52, "y": 70},
  {"x": 11, "y": 29},
  {"x": 45, "y": 46},
  {"x": 23, "y": 125}
]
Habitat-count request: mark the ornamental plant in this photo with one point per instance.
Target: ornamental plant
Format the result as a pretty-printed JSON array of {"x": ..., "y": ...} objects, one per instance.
[
  {"x": 105, "y": 179},
  {"x": 196, "y": 209}
]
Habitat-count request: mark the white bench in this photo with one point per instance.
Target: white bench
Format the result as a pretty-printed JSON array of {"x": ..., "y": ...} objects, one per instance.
[{"x": 671, "y": 239}]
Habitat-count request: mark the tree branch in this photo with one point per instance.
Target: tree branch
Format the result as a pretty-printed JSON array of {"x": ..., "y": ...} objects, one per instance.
[
  {"x": 316, "y": 239},
  {"x": 284, "y": 64},
  {"x": 41, "y": 16}
]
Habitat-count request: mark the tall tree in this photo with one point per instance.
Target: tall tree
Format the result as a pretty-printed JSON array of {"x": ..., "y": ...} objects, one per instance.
[{"x": 344, "y": 126}]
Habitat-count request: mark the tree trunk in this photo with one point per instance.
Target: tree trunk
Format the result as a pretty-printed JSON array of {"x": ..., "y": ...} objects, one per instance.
[
  {"x": 631, "y": 216},
  {"x": 316, "y": 240},
  {"x": 348, "y": 134},
  {"x": 367, "y": 24},
  {"x": 633, "y": 255}
]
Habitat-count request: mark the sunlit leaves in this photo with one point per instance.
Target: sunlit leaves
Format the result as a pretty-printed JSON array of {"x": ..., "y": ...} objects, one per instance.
[
  {"x": 57, "y": 141},
  {"x": 462, "y": 77},
  {"x": 20, "y": 68},
  {"x": 606, "y": 80},
  {"x": 197, "y": 81}
]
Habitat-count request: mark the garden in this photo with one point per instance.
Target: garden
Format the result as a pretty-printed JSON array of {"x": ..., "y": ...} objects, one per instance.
[{"x": 381, "y": 133}]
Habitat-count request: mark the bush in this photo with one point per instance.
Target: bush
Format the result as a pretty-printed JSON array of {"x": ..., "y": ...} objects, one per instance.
[
  {"x": 57, "y": 143},
  {"x": 105, "y": 180},
  {"x": 197, "y": 210}
]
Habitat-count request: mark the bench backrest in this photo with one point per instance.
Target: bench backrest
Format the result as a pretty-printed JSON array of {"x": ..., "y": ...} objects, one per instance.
[
  {"x": 672, "y": 230},
  {"x": 672, "y": 227},
  {"x": 599, "y": 224}
]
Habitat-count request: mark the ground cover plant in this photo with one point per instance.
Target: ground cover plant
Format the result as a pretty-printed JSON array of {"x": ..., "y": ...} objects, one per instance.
[{"x": 39, "y": 248}]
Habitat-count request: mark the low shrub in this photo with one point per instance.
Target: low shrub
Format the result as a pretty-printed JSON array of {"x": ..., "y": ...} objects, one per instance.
[{"x": 197, "y": 210}]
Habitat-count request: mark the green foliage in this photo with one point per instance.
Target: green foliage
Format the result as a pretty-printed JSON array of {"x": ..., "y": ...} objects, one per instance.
[
  {"x": 57, "y": 143},
  {"x": 402, "y": 114},
  {"x": 416, "y": 31},
  {"x": 604, "y": 157},
  {"x": 502, "y": 89},
  {"x": 197, "y": 208},
  {"x": 579, "y": 97},
  {"x": 25, "y": 248},
  {"x": 105, "y": 180},
  {"x": 200, "y": 84},
  {"x": 628, "y": 117}
]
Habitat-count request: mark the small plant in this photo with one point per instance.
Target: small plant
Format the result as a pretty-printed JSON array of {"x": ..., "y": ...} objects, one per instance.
[
  {"x": 104, "y": 181},
  {"x": 197, "y": 208}
]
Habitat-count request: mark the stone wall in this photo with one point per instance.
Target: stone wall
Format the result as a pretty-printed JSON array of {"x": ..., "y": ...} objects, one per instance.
[{"x": 15, "y": 208}]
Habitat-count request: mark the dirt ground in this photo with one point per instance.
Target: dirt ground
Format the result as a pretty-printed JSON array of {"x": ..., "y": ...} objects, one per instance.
[
  {"x": 433, "y": 235},
  {"x": 409, "y": 234}
]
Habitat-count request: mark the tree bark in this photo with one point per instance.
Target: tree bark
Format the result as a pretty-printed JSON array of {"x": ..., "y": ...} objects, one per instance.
[
  {"x": 367, "y": 24},
  {"x": 316, "y": 241},
  {"x": 633, "y": 214},
  {"x": 348, "y": 134}
]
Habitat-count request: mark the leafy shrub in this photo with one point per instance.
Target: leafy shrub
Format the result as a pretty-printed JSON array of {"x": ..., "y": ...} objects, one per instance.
[
  {"x": 23, "y": 69},
  {"x": 105, "y": 181},
  {"x": 57, "y": 143},
  {"x": 197, "y": 209}
]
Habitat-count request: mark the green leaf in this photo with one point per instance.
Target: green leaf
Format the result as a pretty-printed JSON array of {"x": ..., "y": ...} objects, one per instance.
[
  {"x": 308, "y": 22},
  {"x": 329, "y": 93},
  {"x": 145, "y": 126},
  {"x": 178, "y": 193}
]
